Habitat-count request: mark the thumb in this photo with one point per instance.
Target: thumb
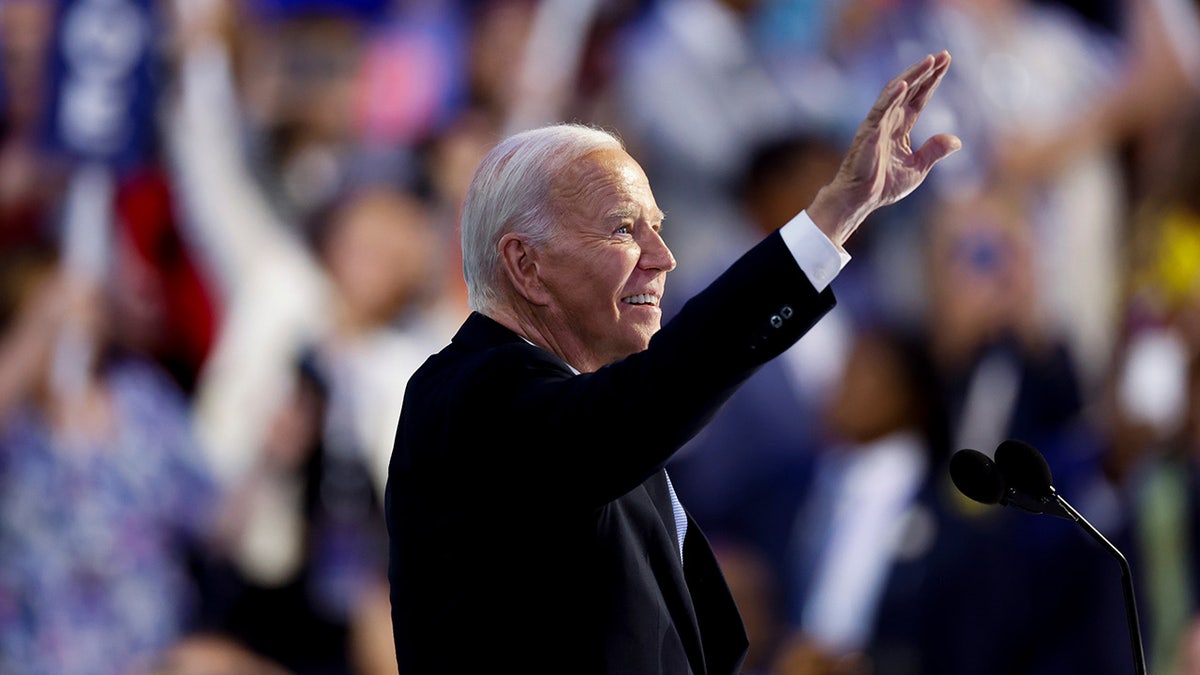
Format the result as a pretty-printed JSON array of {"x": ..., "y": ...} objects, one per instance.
[{"x": 935, "y": 150}]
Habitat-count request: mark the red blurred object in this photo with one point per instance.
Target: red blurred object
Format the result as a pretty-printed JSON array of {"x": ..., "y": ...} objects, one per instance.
[{"x": 146, "y": 223}]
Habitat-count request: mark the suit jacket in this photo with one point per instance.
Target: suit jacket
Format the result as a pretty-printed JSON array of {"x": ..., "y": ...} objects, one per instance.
[{"x": 529, "y": 519}]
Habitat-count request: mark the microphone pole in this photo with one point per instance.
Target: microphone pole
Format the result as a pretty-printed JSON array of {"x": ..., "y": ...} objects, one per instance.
[
  {"x": 1131, "y": 614},
  {"x": 1027, "y": 474},
  {"x": 1019, "y": 477}
]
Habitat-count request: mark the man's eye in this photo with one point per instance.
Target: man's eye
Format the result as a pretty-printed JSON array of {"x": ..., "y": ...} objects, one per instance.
[{"x": 624, "y": 229}]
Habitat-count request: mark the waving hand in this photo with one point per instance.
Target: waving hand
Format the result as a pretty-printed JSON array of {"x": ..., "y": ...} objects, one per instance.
[{"x": 881, "y": 166}]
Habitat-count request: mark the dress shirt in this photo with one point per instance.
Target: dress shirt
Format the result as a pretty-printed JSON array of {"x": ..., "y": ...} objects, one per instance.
[{"x": 816, "y": 254}]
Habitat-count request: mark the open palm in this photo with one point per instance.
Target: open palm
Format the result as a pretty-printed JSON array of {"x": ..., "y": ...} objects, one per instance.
[{"x": 881, "y": 166}]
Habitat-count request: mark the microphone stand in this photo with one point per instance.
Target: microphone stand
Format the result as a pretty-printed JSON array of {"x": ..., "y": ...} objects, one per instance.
[{"x": 1131, "y": 615}]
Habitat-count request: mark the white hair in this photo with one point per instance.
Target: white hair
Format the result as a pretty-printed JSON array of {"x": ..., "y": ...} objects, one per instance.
[{"x": 510, "y": 191}]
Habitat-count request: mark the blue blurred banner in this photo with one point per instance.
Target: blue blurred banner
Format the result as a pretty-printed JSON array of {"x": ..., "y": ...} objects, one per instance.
[
  {"x": 102, "y": 81},
  {"x": 363, "y": 9}
]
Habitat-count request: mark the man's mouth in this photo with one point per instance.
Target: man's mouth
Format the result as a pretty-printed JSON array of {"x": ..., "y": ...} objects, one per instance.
[{"x": 641, "y": 299}]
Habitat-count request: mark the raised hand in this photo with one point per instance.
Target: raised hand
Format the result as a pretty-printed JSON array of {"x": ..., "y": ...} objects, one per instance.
[{"x": 881, "y": 167}]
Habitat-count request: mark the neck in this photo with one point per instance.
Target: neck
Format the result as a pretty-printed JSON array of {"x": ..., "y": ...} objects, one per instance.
[{"x": 529, "y": 324}]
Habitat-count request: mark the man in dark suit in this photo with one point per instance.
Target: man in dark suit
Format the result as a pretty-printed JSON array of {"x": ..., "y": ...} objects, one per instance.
[{"x": 533, "y": 528}]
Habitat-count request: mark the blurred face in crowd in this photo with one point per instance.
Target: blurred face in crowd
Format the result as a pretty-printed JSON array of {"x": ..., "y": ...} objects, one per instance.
[
  {"x": 25, "y": 31},
  {"x": 379, "y": 252},
  {"x": 981, "y": 273},
  {"x": 315, "y": 70},
  {"x": 604, "y": 272},
  {"x": 873, "y": 398},
  {"x": 742, "y": 6},
  {"x": 497, "y": 48},
  {"x": 990, "y": 13}
]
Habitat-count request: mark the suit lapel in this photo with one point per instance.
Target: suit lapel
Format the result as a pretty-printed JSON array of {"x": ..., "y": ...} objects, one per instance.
[
  {"x": 670, "y": 573},
  {"x": 697, "y": 594},
  {"x": 726, "y": 642},
  {"x": 656, "y": 486}
]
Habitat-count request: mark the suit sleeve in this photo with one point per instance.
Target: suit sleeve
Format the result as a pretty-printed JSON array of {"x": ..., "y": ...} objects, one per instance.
[{"x": 600, "y": 434}]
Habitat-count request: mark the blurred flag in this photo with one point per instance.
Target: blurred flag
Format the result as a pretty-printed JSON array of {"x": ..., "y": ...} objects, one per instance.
[{"x": 103, "y": 81}]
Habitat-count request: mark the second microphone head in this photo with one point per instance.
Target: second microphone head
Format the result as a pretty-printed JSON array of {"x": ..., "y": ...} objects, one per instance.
[{"x": 1024, "y": 468}]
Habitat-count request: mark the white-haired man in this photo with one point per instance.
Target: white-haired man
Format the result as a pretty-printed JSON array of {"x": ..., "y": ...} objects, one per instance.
[{"x": 533, "y": 527}]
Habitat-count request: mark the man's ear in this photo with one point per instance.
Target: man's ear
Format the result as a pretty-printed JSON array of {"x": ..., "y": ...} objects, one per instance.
[{"x": 521, "y": 264}]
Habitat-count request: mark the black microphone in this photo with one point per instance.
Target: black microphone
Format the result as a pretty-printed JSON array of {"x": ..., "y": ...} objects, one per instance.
[
  {"x": 1020, "y": 477},
  {"x": 976, "y": 476},
  {"x": 1028, "y": 478},
  {"x": 1017, "y": 482},
  {"x": 1024, "y": 468}
]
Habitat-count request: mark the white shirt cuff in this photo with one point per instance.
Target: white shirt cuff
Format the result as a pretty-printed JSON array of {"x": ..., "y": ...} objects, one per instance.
[{"x": 817, "y": 256}]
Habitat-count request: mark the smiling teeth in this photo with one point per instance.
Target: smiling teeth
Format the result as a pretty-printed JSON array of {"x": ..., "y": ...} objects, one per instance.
[{"x": 641, "y": 299}]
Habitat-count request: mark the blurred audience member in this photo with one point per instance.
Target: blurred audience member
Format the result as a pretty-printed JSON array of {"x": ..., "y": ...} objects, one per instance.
[
  {"x": 1163, "y": 264},
  {"x": 299, "y": 76},
  {"x": 352, "y": 279},
  {"x": 862, "y": 513},
  {"x": 328, "y": 613},
  {"x": 1009, "y": 49},
  {"x": 29, "y": 182},
  {"x": 213, "y": 655},
  {"x": 449, "y": 160},
  {"x": 104, "y": 495},
  {"x": 1150, "y": 416},
  {"x": 499, "y": 33},
  {"x": 696, "y": 97},
  {"x": 1005, "y": 373},
  {"x": 904, "y": 576},
  {"x": 1104, "y": 14},
  {"x": 168, "y": 311},
  {"x": 357, "y": 286},
  {"x": 1142, "y": 430},
  {"x": 412, "y": 76},
  {"x": 377, "y": 247},
  {"x": 806, "y": 28},
  {"x": 745, "y": 474},
  {"x": 1154, "y": 85}
]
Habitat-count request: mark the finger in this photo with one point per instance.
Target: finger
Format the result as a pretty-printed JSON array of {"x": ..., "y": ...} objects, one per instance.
[
  {"x": 917, "y": 70},
  {"x": 921, "y": 77},
  {"x": 898, "y": 86},
  {"x": 922, "y": 92},
  {"x": 918, "y": 74},
  {"x": 888, "y": 100}
]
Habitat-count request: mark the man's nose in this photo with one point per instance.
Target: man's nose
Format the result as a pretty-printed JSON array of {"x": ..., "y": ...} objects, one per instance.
[{"x": 655, "y": 254}]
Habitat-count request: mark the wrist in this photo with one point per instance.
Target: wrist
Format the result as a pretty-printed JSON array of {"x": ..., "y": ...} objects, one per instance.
[{"x": 835, "y": 214}]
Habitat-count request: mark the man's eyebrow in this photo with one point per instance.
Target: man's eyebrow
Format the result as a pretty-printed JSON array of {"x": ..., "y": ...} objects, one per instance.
[{"x": 656, "y": 216}]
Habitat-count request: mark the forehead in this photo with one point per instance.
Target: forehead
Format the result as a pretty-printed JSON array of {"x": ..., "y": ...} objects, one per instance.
[{"x": 606, "y": 182}]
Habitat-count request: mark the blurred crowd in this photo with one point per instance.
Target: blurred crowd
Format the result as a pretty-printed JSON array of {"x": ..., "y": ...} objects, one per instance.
[{"x": 228, "y": 234}]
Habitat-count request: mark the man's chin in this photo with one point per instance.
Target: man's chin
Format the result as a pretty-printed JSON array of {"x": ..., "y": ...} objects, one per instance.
[{"x": 644, "y": 333}]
